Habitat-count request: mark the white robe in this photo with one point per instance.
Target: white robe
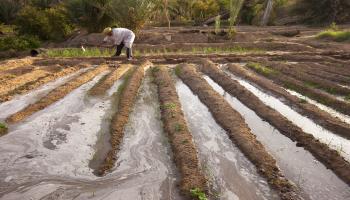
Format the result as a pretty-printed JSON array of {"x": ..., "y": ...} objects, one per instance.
[{"x": 120, "y": 35}]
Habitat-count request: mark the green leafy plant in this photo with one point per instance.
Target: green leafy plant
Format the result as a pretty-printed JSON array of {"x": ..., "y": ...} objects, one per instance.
[
  {"x": 199, "y": 194},
  {"x": 170, "y": 106},
  {"x": 3, "y": 129},
  {"x": 338, "y": 36},
  {"x": 19, "y": 43},
  {"x": 264, "y": 70}
]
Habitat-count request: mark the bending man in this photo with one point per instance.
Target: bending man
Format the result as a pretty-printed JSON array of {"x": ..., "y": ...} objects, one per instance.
[{"x": 121, "y": 37}]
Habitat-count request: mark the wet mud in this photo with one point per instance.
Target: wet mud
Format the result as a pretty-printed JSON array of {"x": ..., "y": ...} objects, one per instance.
[
  {"x": 336, "y": 125},
  {"x": 120, "y": 119},
  {"x": 180, "y": 138},
  {"x": 230, "y": 174},
  {"x": 56, "y": 94},
  {"x": 296, "y": 163},
  {"x": 329, "y": 157},
  {"x": 238, "y": 132}
]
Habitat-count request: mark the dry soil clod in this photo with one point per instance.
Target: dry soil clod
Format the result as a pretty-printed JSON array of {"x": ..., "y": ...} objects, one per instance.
[
  {"x": 101, "y": 88},
  {"x": 319, "y": 116},
  {"x": 185, "y": 152},
  {"x": 239, "y": 132},
  {"x": 120, "y": 119},
  {"x": 56, "y": 94},
  {"x": 329, "y": 157}
]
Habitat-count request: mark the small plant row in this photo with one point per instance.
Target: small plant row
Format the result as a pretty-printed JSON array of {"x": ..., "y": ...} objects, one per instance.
[
  {"x": 238, "y": 131},
  {"x": 329, "y": 157},
  {"x": 193, "y": 182},
  {"x": 56, "y": 94},
  {"x": 127, "y": 95},
  {"x": 300, "y": 87},
  {"x": 313, "y": 112}
]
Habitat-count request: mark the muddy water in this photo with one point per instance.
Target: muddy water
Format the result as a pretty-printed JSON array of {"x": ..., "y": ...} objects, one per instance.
[
  {"x": 299, "y": 166},
  {"x": 332, "y": 140},
  {"x": 331, "y": 111},
  {"x": 10, "y": 107},
  {"x": 231, "y": 174},
  {"x": 47, "y": 156}
]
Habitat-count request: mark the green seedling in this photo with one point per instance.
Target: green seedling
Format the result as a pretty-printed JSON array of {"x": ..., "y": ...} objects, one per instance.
[
  {"x": 198, "y": 194},
  {"x": 264, "y": 70},
  {"x": 178, "y": 70},
  {"x": 178, "y": 127},
  {"x": 3, "y": 129},
  {"x": 169, "y": 106}
]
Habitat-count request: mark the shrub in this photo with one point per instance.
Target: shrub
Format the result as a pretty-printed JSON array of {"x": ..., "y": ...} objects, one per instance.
[
  {"x": 19, "y": 43},
  {"x": 203, "y": 9},
  {"x": 9, "y": 9},
  {"x": 47, "y": 24}
]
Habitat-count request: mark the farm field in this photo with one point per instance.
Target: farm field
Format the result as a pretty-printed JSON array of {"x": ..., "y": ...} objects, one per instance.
[{"x": 186, "y": 119}]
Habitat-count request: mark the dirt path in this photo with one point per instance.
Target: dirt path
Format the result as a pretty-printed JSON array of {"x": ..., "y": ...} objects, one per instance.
[
  {"x": 100, "y": 88},
  {"x": 185, "y": 151},
  {"x": 300, "y": 87},
  {"x": 321, "y": 151},
  {"x": 238, "y": 132},
  {"x": 120, "y": 119},
  {"x": 321, "y": 117},
  {"x": 56, "y": 94}
]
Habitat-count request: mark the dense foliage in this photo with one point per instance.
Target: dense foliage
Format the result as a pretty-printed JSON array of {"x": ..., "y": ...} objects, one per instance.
[
  {"x": 18, "y": 43},
  {"x": 48, "y": 23}
]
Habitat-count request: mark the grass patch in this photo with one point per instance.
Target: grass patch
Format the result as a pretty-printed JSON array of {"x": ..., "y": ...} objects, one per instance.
[
  {"x": 264, "y": 70},
  {"x": 3, "y": 129},
  {"x": 169, "y": 106},
  {"x": 78, "y": 52},
  {"x": 335, "y": 35},
  {"x": 198, "y": 194},
  {"x": 178, "y": 70}
]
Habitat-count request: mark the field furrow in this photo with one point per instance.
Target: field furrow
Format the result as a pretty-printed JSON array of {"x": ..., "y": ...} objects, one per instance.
[
  {"x": 238, "y": 132},
  {"x": 183, "y": 147},
  {"x": 56, "y": 94},
  {"x": 323, "y": 118}
]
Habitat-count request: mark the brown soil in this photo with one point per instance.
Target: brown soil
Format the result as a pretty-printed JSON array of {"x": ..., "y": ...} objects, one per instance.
[
  {"x": 56, "y": 94},
  {"x": 320, "y": 117},
  {"x": 310, "y": 92},
  {"x": 330, "y": 158},
  {"x": 238, "y": 132},
  {"x": 332, "y": 68},
  {"x": 14, "y": 63},
  {"x": 39, "y": 82},
  {"x": 120, "y": 119},
  {"x": 315, "y": 70},
  {"x": 101, "y": 88},
  {"x": 296, "y": 72},
  {"x": 185, "y": 152},
  {"x": 12, "y": 84}
]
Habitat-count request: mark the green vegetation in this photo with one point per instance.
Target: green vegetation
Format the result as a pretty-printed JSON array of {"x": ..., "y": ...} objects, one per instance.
[
  {"x": 3, "y": 129},
  {"x": 177, "y": 70},
  {"x": 338, "y": 36},
  {"x": 18, "y": 43},
  {"x": 264, "y": 70},
  {"x": 169, "y": 106},
  {"x": 199, "y": 194},
  {"x": 77, "y": 52},
  {"x": 178, "y": 127},
  {"x": 347, "y": 97}
]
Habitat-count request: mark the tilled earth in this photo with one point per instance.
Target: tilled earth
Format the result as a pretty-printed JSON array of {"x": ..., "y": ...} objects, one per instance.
[{"x": 266, "y": 125}]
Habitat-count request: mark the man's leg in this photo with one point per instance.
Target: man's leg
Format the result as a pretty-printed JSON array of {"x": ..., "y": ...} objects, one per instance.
[
  {"x": 119, "y": 49},
  {"x": 129, "y": 53}
]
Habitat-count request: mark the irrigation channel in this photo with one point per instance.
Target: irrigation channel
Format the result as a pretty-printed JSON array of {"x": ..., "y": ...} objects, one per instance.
[{"x": 108, "y": 133}]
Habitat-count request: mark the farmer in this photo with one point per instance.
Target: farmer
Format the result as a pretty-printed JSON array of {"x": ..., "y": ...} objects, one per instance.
[{"x": 121, "y": 37}]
